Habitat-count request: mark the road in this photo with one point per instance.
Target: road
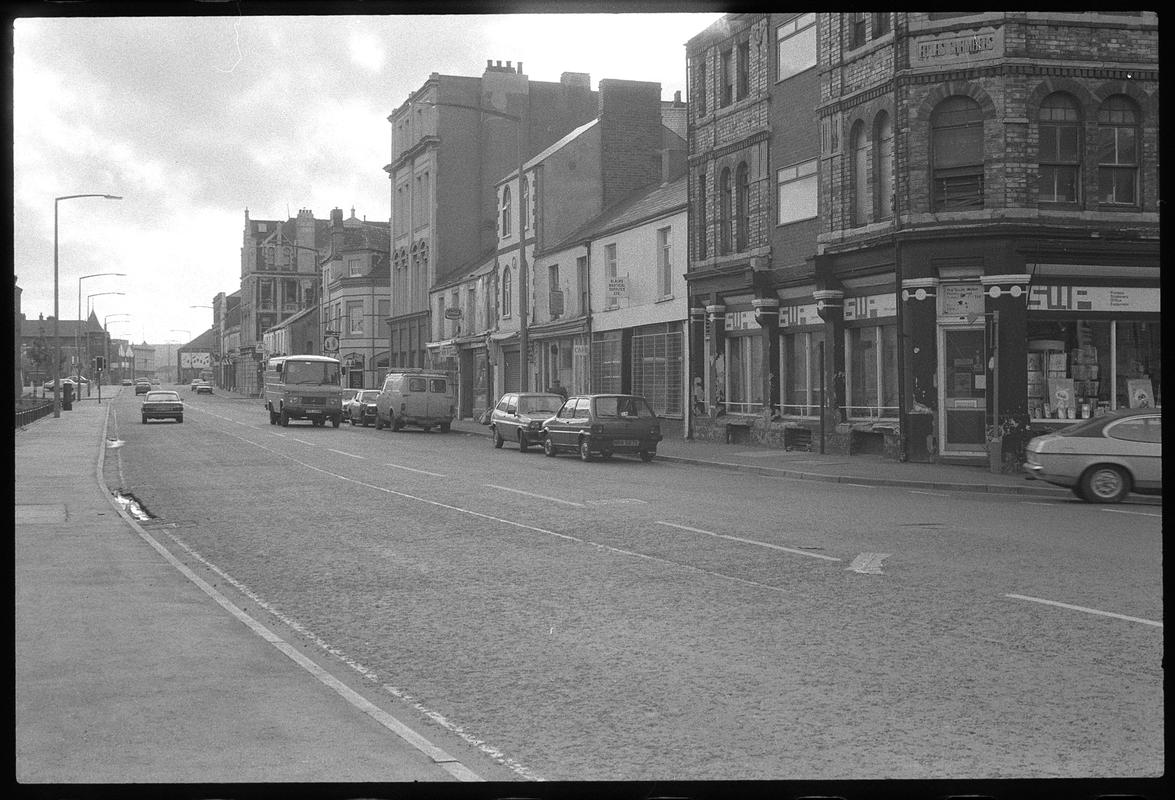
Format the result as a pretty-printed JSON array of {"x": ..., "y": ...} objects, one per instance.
[{"x": 560, "y": 620}]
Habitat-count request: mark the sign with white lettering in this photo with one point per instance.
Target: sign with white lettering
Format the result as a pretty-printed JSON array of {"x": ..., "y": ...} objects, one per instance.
[
  {"x": 740, "y": 320},
  {"x": 579, "y": 350},
  {"x": 967, "y": 48},
  {"x": 961, "y": 299},
  {"x": 1094, "y": 298},
  {"x": 794, "y": 316},
  {"x": 874, "y": 305}
]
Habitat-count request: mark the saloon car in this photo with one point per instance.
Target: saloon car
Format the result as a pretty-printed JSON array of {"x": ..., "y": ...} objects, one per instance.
[
  {"x": 163, "y": 404},
  {"x": 519, "y": 417},
  {"x": 1102, "y": 459},
  {"x": 203, "y": 387},
  {"x": 603, "y": 424},
  {"x": 142, "y": 386},
  {"x": 360, "y": 409}
]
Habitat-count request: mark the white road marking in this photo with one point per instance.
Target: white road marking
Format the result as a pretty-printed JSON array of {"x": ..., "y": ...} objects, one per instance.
[
  {"x": 340, "y": 452},
  {"x": 934, "y": 494},
  {"x": 1083, "y": 608},
  {"x": 868, "y": 563},
  {"x": 748, "y": 541},
  {"x": 274, "y": 433},
  {"x": 538, "y": 496},
  {"x": 861, "y": 485},
  {"x": 303, "y": 441},
  {"x": 1033, "y": 503},
  {"x": 1135, "y": 513},
  {"x": 410, "y": 469}
]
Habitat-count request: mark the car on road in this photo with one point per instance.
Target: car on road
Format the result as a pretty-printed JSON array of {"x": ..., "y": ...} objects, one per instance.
[
  {"x": 603, "y": 424},
  {"x": 163, "y": 404},
  {"x": 519, "y": 417},
  {"x": 195, "y": 382},
  {"x": 1102, "y": 459},
  {"x": 203, "y": 387},
  {"x": 418, "y": 397},
  {"x": 72, "y": 381},
  {"x": 127, "y": 382},
  {"x": 142, "y": 386},
  {"x": 360, "y": 408}
]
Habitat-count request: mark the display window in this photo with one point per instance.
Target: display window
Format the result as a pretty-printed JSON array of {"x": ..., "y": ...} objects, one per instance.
[
  {"x": 1085, "y": 368},
  {"x": 799, "y": 356},
  {"x": 872, "y": 376},
  {"x": 744, "y": 376}
]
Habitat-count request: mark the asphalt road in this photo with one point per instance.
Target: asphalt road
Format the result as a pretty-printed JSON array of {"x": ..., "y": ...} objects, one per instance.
[{"x": 560, "y": 620}]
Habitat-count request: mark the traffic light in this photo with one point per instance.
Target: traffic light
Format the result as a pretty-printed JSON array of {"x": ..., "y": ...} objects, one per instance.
[{"x": 100, "y": 362}]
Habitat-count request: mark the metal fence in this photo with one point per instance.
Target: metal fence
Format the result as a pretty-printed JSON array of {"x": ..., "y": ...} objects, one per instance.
[{"x": 25, "y": 416}]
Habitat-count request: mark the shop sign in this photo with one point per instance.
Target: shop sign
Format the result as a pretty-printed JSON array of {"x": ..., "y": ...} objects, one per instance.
[
  {"x": 453, "y": 312},
  {"x": 870, "y": 306},
  {"x": 961, "y": 299},
  {"x": 448, "y": 351},
  {"x": 580, "y": 350},
  {"x": 195, "y": 360},
  {"x": 1094, "y": 298},
  {"x": 740, "y": 320},
  {"x": 939, "y": 51},
  {"x": 793, "y": 316},
  {"x": 618, "y": 287}
]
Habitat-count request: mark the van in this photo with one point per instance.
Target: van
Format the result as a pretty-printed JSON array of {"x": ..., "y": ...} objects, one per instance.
[
  {"x": 418, "y": 397},
  {"x": 303, "y": 387}
]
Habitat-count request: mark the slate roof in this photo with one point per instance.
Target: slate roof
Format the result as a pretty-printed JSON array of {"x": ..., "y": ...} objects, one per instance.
[{"x": 643, "y": 205}]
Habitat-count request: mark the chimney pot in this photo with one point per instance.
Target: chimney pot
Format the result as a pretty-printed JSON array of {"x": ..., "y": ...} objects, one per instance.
[
  {"x": 489, "y": 63},
  {"x": 519, "y": 67},
  {"x": 508, "y": 66}
]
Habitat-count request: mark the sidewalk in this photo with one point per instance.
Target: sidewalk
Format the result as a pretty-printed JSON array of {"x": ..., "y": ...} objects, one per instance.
[{"x": 128, "y": 672}]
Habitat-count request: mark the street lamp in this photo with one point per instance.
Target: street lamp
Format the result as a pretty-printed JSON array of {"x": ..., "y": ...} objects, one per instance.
[
  {"x": 77, "y": 348},
  {"x": 56, "y": 301},
  {"x": 177, "y": 351},
  {"x": 90, "y": 310},
  {"x": 106, "y": 342}
]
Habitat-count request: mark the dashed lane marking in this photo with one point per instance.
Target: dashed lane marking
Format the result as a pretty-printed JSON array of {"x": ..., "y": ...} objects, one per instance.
[
  {"x": 340, "y": 452},
  {"x": 755, "y": 542},
  {"x": 303, "y": 441},
  {"x": 1135, "y": 513},
  {"x": 421, "y": 471},
  {"x": 536, "y": 496},
  {"x": 868, "y": 563},
  {"x": 1084, "y": 609}
]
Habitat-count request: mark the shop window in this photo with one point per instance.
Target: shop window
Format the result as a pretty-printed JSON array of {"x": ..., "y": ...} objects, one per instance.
[
  {"x": 957, "y": 155},
  {"x": 1060, "y": 150},
  {"x": 860, "y": 177},
  {"x": 658, "y": 367},
  {"x": 872, "y": 388},
  {"x": 744, "y": 374},
  {"x": 795, "y": 46},
  {"x": 1118, "y": 151},
  {"x": 607, "y": 362},
  {"x": 883, "y": 165},
  {"x": 800, "y": 367}
]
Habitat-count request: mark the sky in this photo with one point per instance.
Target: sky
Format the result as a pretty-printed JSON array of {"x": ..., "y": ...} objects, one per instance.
[{"x": 193, "y": 120}]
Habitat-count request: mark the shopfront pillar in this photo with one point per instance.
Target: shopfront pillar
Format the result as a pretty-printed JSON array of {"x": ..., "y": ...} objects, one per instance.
[
  {"x": 830, "y": 307},
  {"x": 767, "y": 315},
  {"x": 715, "y": 382},
  {"x": 697, "y": 351},
  {"x": 1006, "y": 312},
  {"x": 919, "y": 297}
]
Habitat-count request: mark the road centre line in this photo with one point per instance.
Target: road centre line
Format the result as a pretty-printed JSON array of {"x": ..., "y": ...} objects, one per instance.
[
  {"x": 1084, "y": 609},
  {"x": 538, "y": 496},
  {"x": 749, "y": 541},
  {"x": 340, "y": 452},
  {"x": 934, "y": 494},
  {"x": 410, "y": 469},
  {"x": 303, "y": 441},
  {"x": 1135, "y": 513}
]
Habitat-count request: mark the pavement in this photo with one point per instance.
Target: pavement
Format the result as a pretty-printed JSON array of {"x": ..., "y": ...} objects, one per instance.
[{"x": 126, "y": 673}]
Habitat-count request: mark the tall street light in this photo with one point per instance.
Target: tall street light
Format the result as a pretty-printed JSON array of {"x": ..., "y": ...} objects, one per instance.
[
  {"x": 56, "y": 301},
  {"x": 106, "y": 350},
  {"x": 90, "y": 310},
  {"x": 177, "y": 351},
  {"x": 76, "y": 342}
]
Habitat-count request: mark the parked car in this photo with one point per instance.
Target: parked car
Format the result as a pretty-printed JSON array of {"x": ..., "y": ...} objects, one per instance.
[
  {"x": 604, "y": 424},
  {"x": 163, "y": 404},
  {"x": 195, "y": 383},
  {"x": 203, "y": 387},
  {"x": 127, "y": 382},
  {"x": 360, "y": 408},
  {"x": 423, "y": 398},
  {"x": 519, "y": 417},
  {"x": 1102, "y": 459},
  {"x": 142, "y": 386},
  {"x": 71, "y": 381}
]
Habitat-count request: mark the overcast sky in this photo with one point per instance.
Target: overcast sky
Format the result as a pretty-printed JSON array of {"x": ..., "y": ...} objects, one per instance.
[{"x": 194, "y": 119}]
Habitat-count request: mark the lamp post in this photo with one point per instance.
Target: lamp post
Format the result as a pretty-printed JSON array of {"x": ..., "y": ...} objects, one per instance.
[
  {"x": 106, "y": 342},
  {"x": 177, "y": 352},
  {"x": 76, "y": 343},
  {"x": 56, "y": 301},
  {"x": 90, "y": 310}
]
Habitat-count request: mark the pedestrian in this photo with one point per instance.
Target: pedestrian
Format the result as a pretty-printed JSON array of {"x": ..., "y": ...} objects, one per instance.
[
  {"x": 557, "y": 388},
  {"x": 699, "y": 396}
]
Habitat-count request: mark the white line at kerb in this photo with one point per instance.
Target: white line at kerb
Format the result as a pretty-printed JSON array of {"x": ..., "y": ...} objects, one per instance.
[
  {"x": 1135, "y": 513},
  {"x": 749, "y": 541},
  {"x": 537, "y": 496},
  {"x": 1084, "y": 609}
]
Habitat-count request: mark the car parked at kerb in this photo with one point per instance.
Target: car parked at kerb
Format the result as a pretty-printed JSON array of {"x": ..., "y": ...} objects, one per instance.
[
  {"x": 603, "y": 424},
  {"x": 519, "y": 417}
]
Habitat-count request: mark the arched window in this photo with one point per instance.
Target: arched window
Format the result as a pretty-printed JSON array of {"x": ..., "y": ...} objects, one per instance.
[
  {"x": 505, "y": 215},
  {"x": 957, "y": 155},
  {"x": 1060, "y": 150},
  {"x": 725, "y": 211},
  {"x": 524, "y": 207},
  {"x": 1117, "y": 151},
  {"x": 507, "y": 291},
  {"x": 743, "y": 207},
  {"x": 860, "y": 145},
  {"x": 883, "y": 166}
]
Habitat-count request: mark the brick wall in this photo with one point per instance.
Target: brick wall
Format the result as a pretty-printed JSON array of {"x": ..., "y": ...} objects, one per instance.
[{"x": 630, "y": 130}]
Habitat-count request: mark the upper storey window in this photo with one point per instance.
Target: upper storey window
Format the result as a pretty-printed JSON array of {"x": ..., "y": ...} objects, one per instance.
[
  {"x": 727, "y": 77},
  {"x": 524, "y": 206},
  {"x": 1060, "y": 150},
  {"x": 957, "y": 155},
  {"x": 743, "y": 85},
  {"x": 856, "y": 29},
  {"x": 505, "y": 211},
  {"x": 1117, "y": 151},
  {"x": 883, "y": 166},
  {"x": 795, "y": 46}
]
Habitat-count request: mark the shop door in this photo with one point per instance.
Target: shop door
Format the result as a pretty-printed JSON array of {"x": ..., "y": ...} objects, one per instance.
[
  {"x": 512, "y": 372},
  {"x": 962, "y": 390}
]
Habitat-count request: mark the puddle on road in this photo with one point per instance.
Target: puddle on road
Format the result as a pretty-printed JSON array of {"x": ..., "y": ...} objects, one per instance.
[{"x": 132, "y": 506}]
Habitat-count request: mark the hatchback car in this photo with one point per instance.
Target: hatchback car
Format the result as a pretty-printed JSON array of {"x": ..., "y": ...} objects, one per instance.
[
  {"x": 1102, "y": 459},
  {"x": 604, "y": 424},
  {"x": 142, "y": 386},
  {"x": 360, "y": 409},
  {"x": 519, "y": 417},
  {"x": 127, "y": 382},
  {"x": 163, "y": 404},
  {"x": 203, "y": 387}
]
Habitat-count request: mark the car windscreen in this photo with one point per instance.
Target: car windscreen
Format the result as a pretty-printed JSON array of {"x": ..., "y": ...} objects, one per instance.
[
  {"x": 547, "y": 404},
  {"x": 162, "y": 397},
  {"x": 368, "y": 397},
  {"x": 623, "y": 407},
  {"x": 311, "y": 373}
]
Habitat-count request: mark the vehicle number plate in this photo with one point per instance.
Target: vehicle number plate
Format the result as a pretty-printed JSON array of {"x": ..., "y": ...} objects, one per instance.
[{"x": 626, "y": 443}]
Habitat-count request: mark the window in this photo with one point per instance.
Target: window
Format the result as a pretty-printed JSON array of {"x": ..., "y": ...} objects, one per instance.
[
  {"x": 607, "y": 362},
  {"x": 702, "y": 222},
  {"x": 440, "y": 326},
  {"x": 383, "y": 309},
  {"x": 726, "y": 200},
  {"x": 883, "y": 166},
  {"x": 554, "y": 292},
  {"x": 505, "y": 215},
  {"x": 658, "y": 366},
  {"x": 742, "y": 220},
  {"x": 355, "y": 318},
  {"x": 800, "y": 389},
  {"x": 727, "y": 77},
  {"x": 860, "y": 178},
  {"x": 744, "y": 376},
  {"x": 471, "y": 309},
  {"x": 581, "y": 282},
  {"x": 610, "y": 267},
  {"x": 354, "y": 266},
  {"x": 1117, "y": 151},
  {"x": 796, "y": 192},
  {"x": 524, "y": 206},
  {"x": 491, "y": 300},
  {"x": 856, "y": 29},
  {"x": 795, "y": 46},
  {"x": 880, "y": 24},
  {"x": 700, "y": 86},
  {"x": 664, "y": 263},
  {"x": 872, "y": 376},
  {"x": 957, "y": 152},
  {"x": 266, "y": 294},
  {"x": 1060, "y": 150},
  {"x": 507, "y": 289},
  {"x": 743, "y": 88}
]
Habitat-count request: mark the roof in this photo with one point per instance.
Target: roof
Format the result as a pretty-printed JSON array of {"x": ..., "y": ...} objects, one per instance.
[
  {"x": 203, "y": 342},
  {"x": 32, "y": 328},
  {"x": 544, "y": 155},
  {"x": 290, "y": 320},
  {"x": 643, "y": 205}
]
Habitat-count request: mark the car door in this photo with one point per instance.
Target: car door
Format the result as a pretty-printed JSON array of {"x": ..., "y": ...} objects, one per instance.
[
  {"x": 559, "y": 425},
  {"x": 1139, "y": 442}
]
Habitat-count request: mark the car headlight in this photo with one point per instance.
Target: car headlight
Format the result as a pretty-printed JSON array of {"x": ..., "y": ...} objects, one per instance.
[
  {"x": 294, "y": 401},
  {"x": 332, "y": 401}
]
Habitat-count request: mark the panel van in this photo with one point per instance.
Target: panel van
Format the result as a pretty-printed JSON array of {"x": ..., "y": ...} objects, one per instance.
[{"x": 418, "y": 397}]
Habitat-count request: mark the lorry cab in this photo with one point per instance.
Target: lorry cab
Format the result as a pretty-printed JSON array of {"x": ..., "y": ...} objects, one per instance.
[{"x": 418, "y": 397}]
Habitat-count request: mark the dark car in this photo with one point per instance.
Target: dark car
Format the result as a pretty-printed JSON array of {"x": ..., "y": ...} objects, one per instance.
[
  {"x": 1102, "y": 459},
  {"x": 360, "y": 409},
  {"x": 142, "y": 386},
  {"x": 519, "y": 417},
  {"x": 603, "y": 424},
  {"x": 163, "y": 404}
]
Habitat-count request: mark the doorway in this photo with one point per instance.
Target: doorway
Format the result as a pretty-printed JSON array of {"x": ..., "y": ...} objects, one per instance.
[{"x": 962, "y": 389}]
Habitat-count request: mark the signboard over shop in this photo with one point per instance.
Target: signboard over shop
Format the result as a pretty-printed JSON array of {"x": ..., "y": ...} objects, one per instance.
[
  {"x": 870, "y": 306},
  {"x": 1094, "y": 298},
  {"x": 618, "y": 287}
]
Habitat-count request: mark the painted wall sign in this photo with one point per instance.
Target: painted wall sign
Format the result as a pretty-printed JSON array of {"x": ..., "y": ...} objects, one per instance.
[
  {"x": 1094, "y": 298},
  {"x": 792, "y": 316},
  {"x": 195, "y": 360},
  {"x": 938, "y": 51},
  {"x": 740, "y": 320},
  {"x": 579, "y": 350},
  {"x": 869, "y": 306}
]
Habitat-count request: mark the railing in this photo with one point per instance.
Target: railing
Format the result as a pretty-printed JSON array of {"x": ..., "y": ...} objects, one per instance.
[{"x": 26, "y": 416}]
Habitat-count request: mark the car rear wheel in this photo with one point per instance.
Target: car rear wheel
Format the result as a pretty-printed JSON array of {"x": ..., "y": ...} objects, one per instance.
[
  {"x": 522, "y": 443},
  {"x": 585, "y": 449},
  {"x": 647, "y": 455},
  {"x": 549, "y": 447},
  {"x": 272, "y": 417},
  {"x": 179, "y": 419},
  {"x": 443, "y": 427},
  {"x": 283, "y": 419},
  {"x": 336, "y": 421},
  {"x": 498, "y": 440},
  {"x": 1105, "y": 483}
]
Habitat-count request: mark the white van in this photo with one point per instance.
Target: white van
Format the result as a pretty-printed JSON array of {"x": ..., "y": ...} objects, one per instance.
[{"x": 419, "y": 397}]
